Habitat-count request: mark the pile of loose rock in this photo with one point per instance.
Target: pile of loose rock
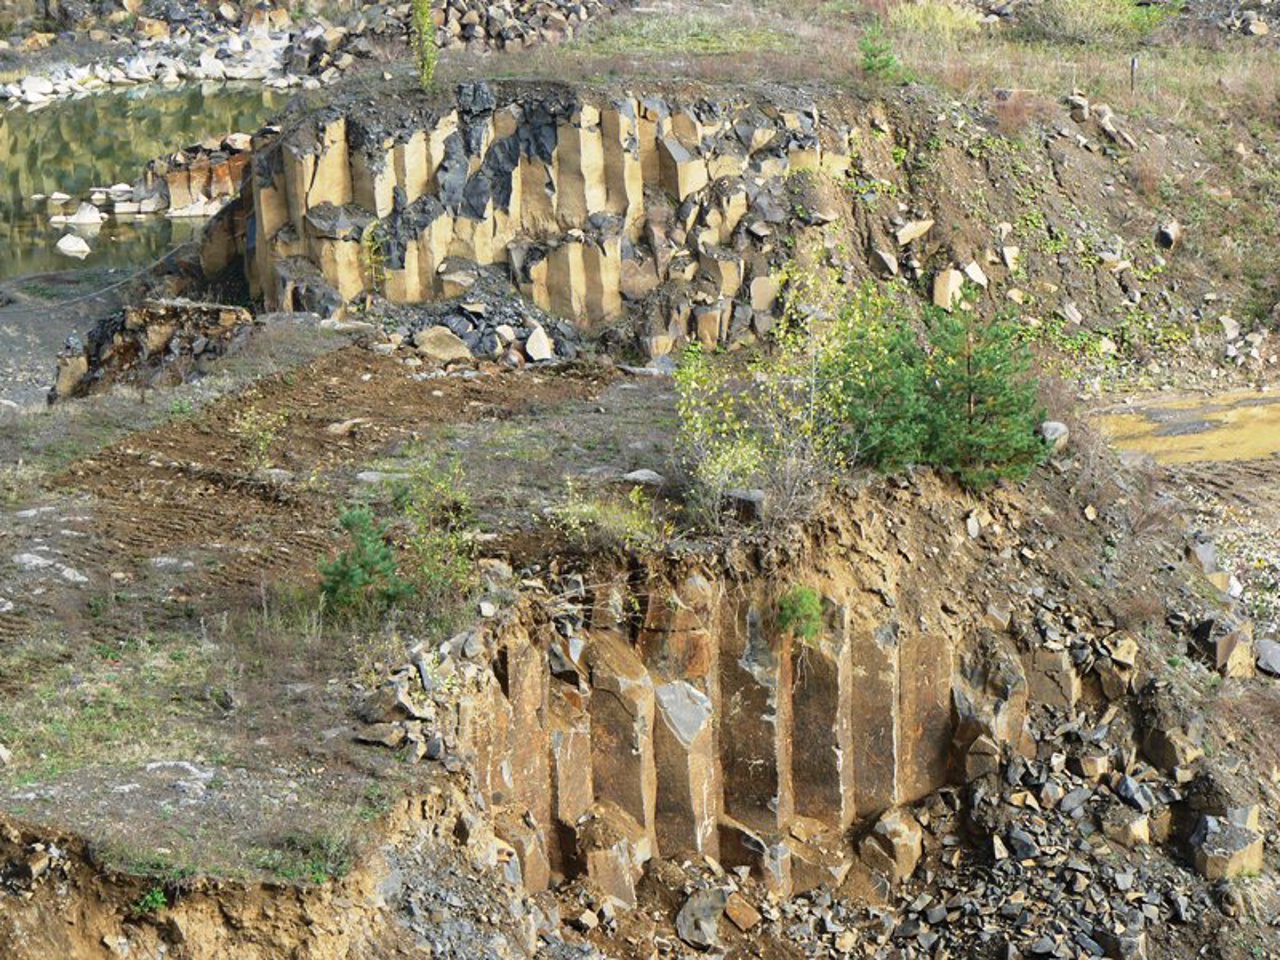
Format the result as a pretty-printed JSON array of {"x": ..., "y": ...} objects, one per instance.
[
  {"x": 189, "y": 42},
  {"x": 483, "y": 322},
  {"x": 145, "y": 341}
]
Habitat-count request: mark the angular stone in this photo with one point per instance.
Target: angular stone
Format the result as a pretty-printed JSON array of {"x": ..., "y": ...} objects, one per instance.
[
  {"x": 538, "y": 346},
  {"x": 530, "y": 848},
  {"x": 894, "y": 846},
  {"x": 913, "y": 231},
  {"x": 1223, "y": 850},
  {"x": 682, "y": 172},
  {"x": 688, "y": 787},
  {"x": 1052, "y": 678},
  {"x": 742, "y": 914},
  {"x": 947, "y": 287},
  {"x": 614, "y": 849},
  {"x": 441, "y": 345},
  {"x": 698, "y": 922},
  {"x": 622, "y": 722}
]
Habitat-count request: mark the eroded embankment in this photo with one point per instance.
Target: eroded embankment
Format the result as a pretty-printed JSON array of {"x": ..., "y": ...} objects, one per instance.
[
  {"x": 963, "y": 707},
  {"x": 434, "y": 881},
  {"x": 665, "y": 710}
]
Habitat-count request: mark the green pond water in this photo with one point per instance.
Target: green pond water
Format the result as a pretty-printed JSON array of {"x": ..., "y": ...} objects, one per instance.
[{"x": 96, "y": 141}]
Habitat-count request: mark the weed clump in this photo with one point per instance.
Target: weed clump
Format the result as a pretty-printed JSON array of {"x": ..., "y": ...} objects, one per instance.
[
  {"x": 1092, "y": 22},
  {"x": 425, "y": 51},
  {"x": 800, "y": 612},
  {"x": 593, "y": 523}
]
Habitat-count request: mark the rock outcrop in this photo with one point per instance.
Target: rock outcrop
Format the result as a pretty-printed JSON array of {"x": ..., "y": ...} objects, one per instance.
[
  {"x": 618, "y": 723},
  {"x": 585, "y": 206},
  {"x": 143, "y": 342}
]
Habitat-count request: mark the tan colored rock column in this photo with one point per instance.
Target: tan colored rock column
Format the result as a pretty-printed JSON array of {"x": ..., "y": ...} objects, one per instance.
[
  {"x": 537, "y": 196},
  {"x": 755, "y": 692},
  {"x": 571, "y": 790},
  {"x": 373, "y": 179},
  {"x": 412, "y": 169},
  {"x": 331, "y": 182},
  {"x": 566, "y": 281},
  {"x": 602, "y": 266},
  {"x": 873, "y": 645},
  {"x": 624, "y": 187},
  {"x": 579, "y": 166},
  {"x": 271, "y": 212},
  {"x": 689, "y": 788},
  {"x": 433, "y": 248},
  {"x": 822, "y": 704},
  {"x": 299, "y": 170},
  {"x": 528, "y": 679},
  {"x": 924, "y": 707},
  {"x": 622, "y": 716}
]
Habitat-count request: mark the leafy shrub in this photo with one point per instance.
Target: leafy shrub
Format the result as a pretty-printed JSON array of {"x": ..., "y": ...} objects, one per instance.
[
  {"x": 849, "y": 383},
  {"x": 425, "y": 52},
  {"x": 366, "y": 574},
  {"x": 150, "y": 903},
  {"x": 800, "y": 611}
]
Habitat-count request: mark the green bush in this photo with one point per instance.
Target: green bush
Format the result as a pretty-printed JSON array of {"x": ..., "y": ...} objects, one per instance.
[
  {"x": 851, "y": 382},
  {"x": 800, "y": 612},
  {"x": 149, "y": 904},
  {"x": 366, "y": 574}
]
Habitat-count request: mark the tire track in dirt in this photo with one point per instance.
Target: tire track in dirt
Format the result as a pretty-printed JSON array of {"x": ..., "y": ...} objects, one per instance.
[{"x": 188, "y": 493}]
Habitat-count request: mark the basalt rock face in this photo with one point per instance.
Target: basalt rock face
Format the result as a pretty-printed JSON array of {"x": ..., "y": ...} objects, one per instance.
[
  {"x": 664, "y": 713},
  {"x": 667, "y": 207}
]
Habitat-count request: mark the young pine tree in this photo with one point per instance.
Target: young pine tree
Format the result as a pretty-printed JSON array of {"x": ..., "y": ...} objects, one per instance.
[{"x": 981, "y": 412}]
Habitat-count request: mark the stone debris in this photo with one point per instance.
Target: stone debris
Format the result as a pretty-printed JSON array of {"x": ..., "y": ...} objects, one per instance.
[{"x": 143, "y": 342}]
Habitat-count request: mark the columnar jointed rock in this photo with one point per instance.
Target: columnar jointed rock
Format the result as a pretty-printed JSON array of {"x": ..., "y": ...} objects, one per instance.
[{"x": 552, "y": 190}]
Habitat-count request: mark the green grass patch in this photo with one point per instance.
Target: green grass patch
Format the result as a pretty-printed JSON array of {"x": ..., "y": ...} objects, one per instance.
[
  {"x": 123, "y": 700},
  {"x": 696, "y": 34}
]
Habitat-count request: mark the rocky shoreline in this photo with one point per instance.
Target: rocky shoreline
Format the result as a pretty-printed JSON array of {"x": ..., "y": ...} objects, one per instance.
[{"x": 187, "y": 43}]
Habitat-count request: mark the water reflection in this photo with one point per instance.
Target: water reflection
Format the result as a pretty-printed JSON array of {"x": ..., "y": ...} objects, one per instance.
[{"x": 74, "y": 145}]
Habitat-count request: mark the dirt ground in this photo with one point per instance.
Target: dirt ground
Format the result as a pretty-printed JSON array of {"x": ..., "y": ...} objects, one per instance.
[{"x": 156, "y": 662}]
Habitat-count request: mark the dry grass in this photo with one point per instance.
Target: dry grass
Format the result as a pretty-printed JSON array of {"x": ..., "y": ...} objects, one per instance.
[
  {"x": 1016, "y": 111},
  {"x": 1146, "y": 173}
]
